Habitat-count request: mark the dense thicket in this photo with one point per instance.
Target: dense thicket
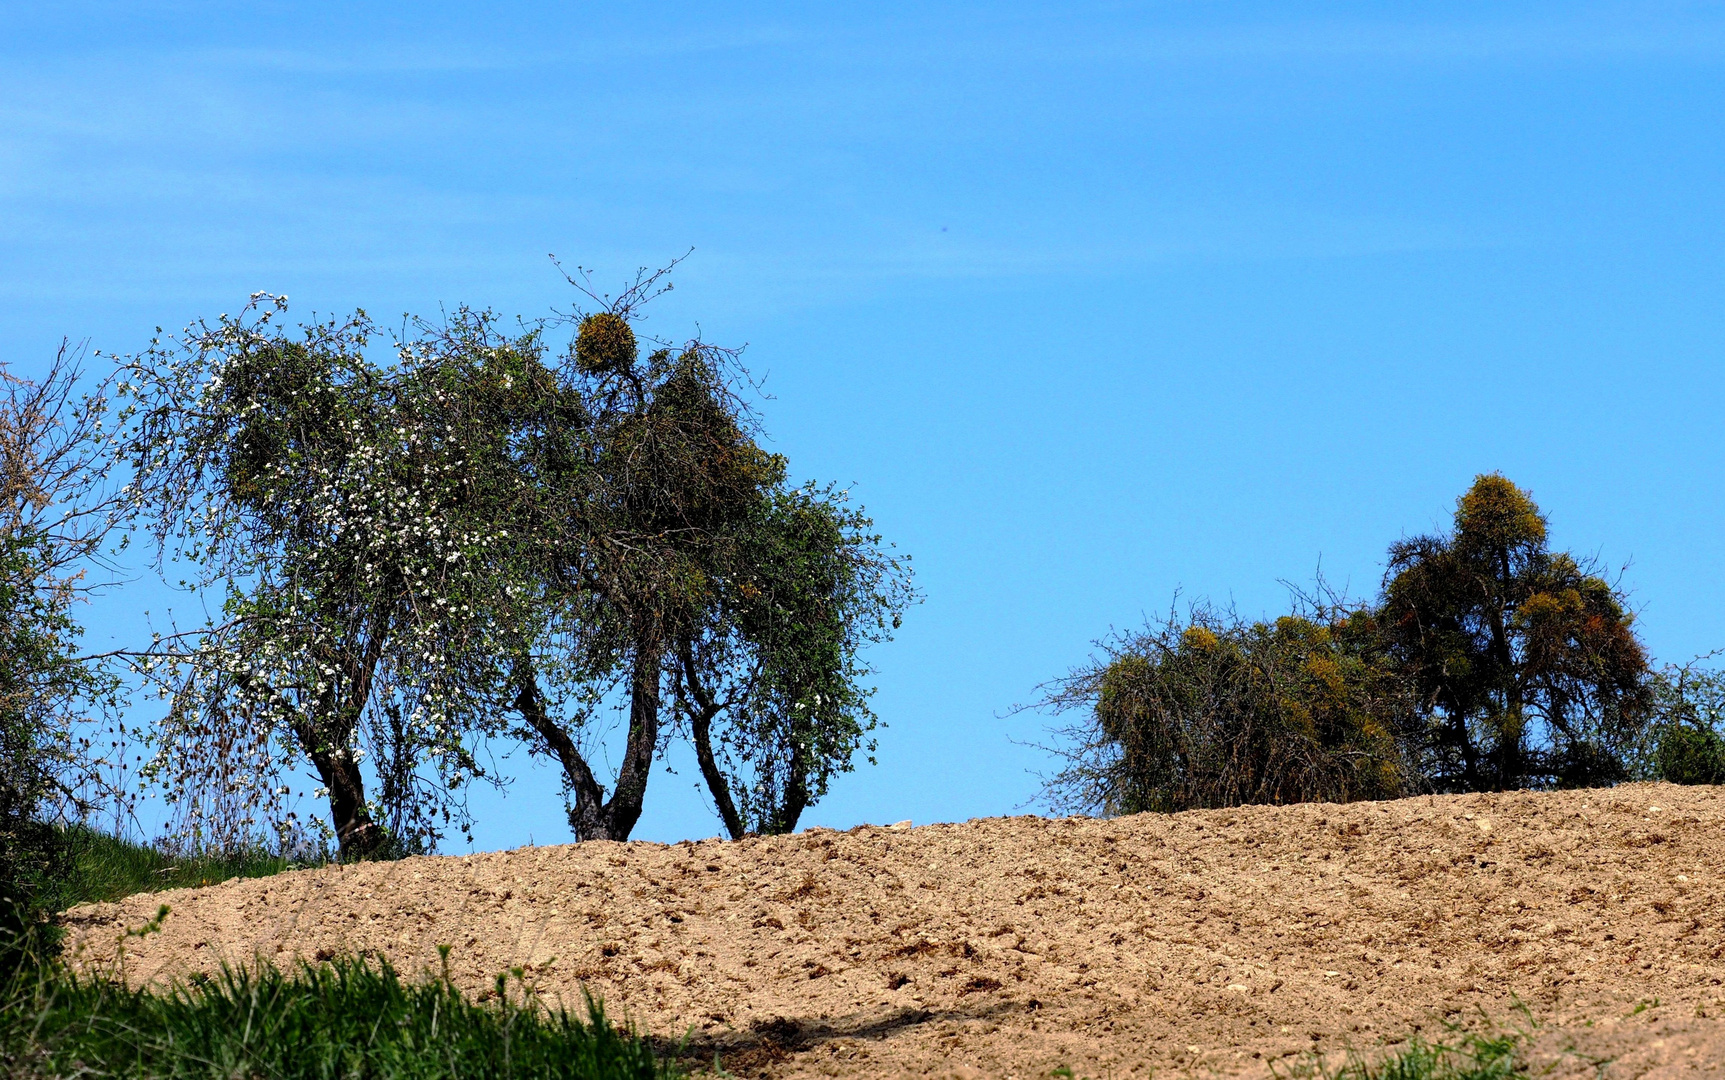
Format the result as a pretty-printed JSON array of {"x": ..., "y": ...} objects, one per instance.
[
  {"x": 1487, "y": 662},
  {"x": 1216, "y": 711}
]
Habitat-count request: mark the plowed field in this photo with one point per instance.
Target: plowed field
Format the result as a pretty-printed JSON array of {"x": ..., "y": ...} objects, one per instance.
[{"x": 1211, "y": 941}]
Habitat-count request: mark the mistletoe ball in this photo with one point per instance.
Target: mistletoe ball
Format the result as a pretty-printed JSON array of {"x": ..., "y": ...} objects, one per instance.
[{"x": 604, "y": 344}]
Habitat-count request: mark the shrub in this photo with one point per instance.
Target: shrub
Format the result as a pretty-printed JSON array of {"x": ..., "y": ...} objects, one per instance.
[
  {"x": 1220, "y": 712},
  {"x": 1687, "y": 744},
  {"x": 33, "y": 853},
  {"x": 55, "y": 513}
]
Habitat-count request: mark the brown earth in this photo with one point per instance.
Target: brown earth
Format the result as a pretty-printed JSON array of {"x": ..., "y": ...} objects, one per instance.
[{"x": 1205, "y": 942}]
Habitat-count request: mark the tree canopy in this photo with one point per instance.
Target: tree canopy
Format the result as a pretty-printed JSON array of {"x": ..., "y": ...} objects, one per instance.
[
  {"x": 1525, "y": 658},
  {"x": 483, "y": 538}
]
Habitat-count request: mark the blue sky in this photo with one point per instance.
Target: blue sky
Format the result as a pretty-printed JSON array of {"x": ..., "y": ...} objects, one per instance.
[{"x": 1088, "y": 304}]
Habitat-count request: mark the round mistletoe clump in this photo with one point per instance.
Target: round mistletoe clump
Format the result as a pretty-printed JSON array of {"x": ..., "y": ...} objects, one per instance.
[{"x": 604, "y": 344}]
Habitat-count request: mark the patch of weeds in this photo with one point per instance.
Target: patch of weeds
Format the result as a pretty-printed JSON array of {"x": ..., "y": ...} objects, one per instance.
[{"x": 1458, "y": 1056}]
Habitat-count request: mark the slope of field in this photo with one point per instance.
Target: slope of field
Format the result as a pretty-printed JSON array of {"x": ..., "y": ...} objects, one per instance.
[{"x": 1212, "y": 941}]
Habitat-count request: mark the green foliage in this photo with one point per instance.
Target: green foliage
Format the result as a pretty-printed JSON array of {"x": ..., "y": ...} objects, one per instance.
[
  {"x": 347, "y": 1018},
  {"x": 1688, "y": 755},
  {"x": 1217, "y": 711},
  {"x": 1462, "y": 1056},
  {"x": 806, "y": 587},
  {"x": 1525, "y": 658},
  {"x": 481, "y": 539},
  {"x": 1688, "y": 734},
  {"x": 35, "y": 669},
  {"x": 55, "y": 515},
  {"x": 1489, "y": 662}
]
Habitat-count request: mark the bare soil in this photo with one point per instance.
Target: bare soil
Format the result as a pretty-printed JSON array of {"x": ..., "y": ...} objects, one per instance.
[{"x": 1200, "y": 943}]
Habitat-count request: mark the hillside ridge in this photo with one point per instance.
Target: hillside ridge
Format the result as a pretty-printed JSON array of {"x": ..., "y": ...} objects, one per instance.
[{"x": 1212, "y": 940}]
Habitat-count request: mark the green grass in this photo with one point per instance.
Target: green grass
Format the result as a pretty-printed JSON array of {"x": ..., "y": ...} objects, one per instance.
[
  {"x": 345, "y": 1020},
  {"x": 1461, "y": 1056},
  {"x": 107, "y": 867}
]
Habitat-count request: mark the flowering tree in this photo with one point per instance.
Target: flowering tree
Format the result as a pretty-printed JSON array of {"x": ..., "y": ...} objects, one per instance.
[{"x": 322, "y": 499}]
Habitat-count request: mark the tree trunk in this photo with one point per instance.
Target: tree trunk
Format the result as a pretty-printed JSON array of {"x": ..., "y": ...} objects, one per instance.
[
  {"x": 325, "y": 738},
  {"x": 796, "y": 795},
  {"x": 701, "y": 725},
  {"x": 585, "y": 814},
  {"x": 624, "y": 807},
  {"x": 357, "y": 833},
  {"x": 592, "y": 816},
  {"x": 717, "y": 785},
  {"x": 795, "y": 798}
]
